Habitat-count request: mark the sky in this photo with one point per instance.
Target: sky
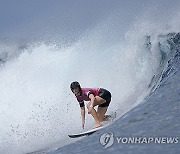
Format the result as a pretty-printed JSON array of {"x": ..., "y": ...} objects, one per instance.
[{"x": 70, "y": 18}]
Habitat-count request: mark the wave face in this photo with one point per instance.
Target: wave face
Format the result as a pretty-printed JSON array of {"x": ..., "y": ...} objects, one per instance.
[
  {"x": 156, "y": 117},
  {"x": 129, "y": 57}
]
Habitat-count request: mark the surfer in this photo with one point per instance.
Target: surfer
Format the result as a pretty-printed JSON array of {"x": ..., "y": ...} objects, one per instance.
[{"x": 95, "y": 96}]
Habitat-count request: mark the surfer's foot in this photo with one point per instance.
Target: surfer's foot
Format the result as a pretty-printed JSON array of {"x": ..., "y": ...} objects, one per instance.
[{"x": 97, "y": 125}]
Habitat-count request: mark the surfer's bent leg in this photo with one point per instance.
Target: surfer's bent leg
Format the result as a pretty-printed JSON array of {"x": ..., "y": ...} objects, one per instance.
[
  {"x": 101, "y": 113},
  {"x": 103, "y": 100},
  {"x": 95, "y": 116}
]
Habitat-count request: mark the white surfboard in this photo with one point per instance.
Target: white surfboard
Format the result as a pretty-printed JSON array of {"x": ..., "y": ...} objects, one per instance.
[{"x": 89, "y": 132}]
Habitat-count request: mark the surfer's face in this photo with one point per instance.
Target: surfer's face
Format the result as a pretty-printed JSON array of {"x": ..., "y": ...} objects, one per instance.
[{"x": 77, "y": 92}]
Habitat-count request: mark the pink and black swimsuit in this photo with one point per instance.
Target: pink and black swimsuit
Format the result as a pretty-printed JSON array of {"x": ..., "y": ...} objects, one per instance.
[{"x": 85, "y": 92}]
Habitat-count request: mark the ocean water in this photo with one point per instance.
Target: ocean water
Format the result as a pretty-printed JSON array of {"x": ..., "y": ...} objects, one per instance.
[{"x": 134, "y": 55}]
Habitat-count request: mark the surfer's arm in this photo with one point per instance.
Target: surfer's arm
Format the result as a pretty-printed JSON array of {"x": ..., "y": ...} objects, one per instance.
[
  {"x": 83, "y": 112},
  {"x": 82, "y": 106},
  {"x": 83, "y": 115}
]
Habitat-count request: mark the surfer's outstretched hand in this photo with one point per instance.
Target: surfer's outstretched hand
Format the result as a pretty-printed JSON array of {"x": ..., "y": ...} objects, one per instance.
[{"x": 83, "y": 123}]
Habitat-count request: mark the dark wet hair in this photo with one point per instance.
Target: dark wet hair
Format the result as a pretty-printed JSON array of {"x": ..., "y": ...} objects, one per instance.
[{"x": 75, "y": 85}]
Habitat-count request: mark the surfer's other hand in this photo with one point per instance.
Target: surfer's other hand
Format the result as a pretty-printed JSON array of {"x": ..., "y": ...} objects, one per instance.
[
  {"x": 89, "y": 110},
  {"x": 83, "y": 122}
]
